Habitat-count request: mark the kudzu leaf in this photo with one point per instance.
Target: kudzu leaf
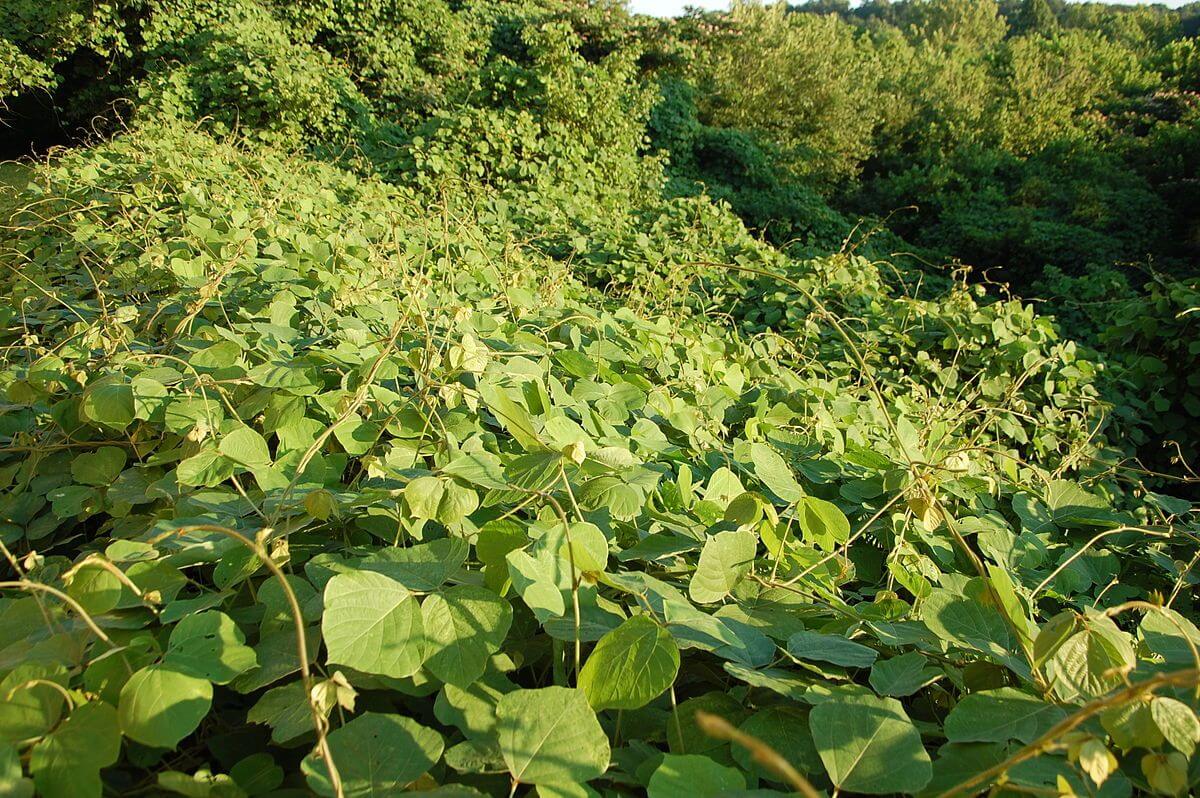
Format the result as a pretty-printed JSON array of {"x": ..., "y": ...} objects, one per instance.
[
  {"x": 1131, "y": 725},
  {"x": 357, "y": 436},
  {"x": 511, "y": 415},
  {"x": 1092, "y": 661},
  {"x": 1166, "y": 773},
  {"x": 773, "y": 471},
  {"x": 993, "y": 716},
  {"x": 457, "y": 503},
  {"x": 551, "y": 736},
  {"x": 286, "y": 710},
  {"x": 902, "y": 675},
  {"x": 207, "y": 468},
  {"x": 464, "y": 626},
  {"x": 869, "y": 745},
  {"x": 373, "y": 624},
  {"x": 376, "y": 754},
  {"x": 744, "y": 510},
  {"x": 422, "y": 568},
  {"x": 830, "y": 648},
  {"x": 12, "y": 783},
  {"x": 209, "y": 645},
  {"x": 246, "y": 447},
  {"x": 823, "y": 522},
  {"x": 971, "y": 624},
  {"x": 97, "y": 589},
  {"x": 257, "y": 774},
  {"x": 100, "y": 467},
  {"x": 784, "y": 728},
  {"x": 586, "y": 547},
  {"x": 688, "y": 774},
  {"x": 108, "y": 403},
  {"x": 1177, "y": 722},
  {"x": 66, "y": 763},
  {"x": 160, "y": 705},
  {"x": 423, "y": 496},
  {"x": 724, "y": 561},
  {"x": 1171, "y": 636},
  {"x": 630, "y": 666},
  {"x": 1053, "y": 634}
]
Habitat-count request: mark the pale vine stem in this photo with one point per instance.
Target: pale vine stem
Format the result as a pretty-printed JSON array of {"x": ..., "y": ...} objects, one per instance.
[
  {"x": 972, "y": 785},
  {"x": 320, "y": 722},
  {"x": 760, "y": 752},
  {"x": 867, "y": 373}
]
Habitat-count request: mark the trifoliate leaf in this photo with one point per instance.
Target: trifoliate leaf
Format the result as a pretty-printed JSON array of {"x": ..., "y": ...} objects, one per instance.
[
  {"x": 551, "y": 736},
  {"x": 630, "y": 666},
  {"x": 161, "y": 705},
  {"x": 724, "y": 561},
  {"x": 869, "y": 745},
  {"x": 688, "y": 774},
  {"x": 67, "y": 762},
  {"x": 830, "y": 648},
  {"x": 376, "y": 754},
  {"x": 209, "y": 645},
  {"x": 903, "y": 675},
  {"x": 464, "y": 626},
  {"x": 373, "y": 624},
  {"x": 1000, "y": 715}
]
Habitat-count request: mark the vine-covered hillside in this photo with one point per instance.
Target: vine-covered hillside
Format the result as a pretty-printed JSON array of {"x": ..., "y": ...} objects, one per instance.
[{"x": 524, "y": 397}]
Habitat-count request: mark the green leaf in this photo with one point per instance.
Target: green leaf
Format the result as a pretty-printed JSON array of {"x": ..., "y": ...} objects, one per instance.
[
  {"x": 995, "y": 716},
  {"x": 12, "y": 783},
  {"x": 784, "y": 728},
  {"x": 823, "y": 522},
  {"x": 551, "y": 736},
  {"x": 30, "y": 709},
  {"x": 67, "y": 762},
  {"x": 511, "y": 415},
  {"x": 869, "y": 745},
  {"x": 108, "y": 403},
  {"x": 1177, "y": 722},
  {"x": 830, "y": 648},
  {"x": 285, "y": 709},
  {"x": 691, "y": 775},
  {"x": 257, "y": 774},
  {"x": 773, "y": 472},
  {"x": 630, "y": 666},
  {"x": 903, "y": 675},
  {"x": 970, "y": 624},
  {"x": 160, "y": 706},
  {"x": 422, "y": 568},
  {"x": 745, "y": 510},
  {"x": 1092, "y": 661},
  {"x": 1167, "y": 773},
  {"x": 376, "y": 755},
  {"x": 246, "y": 447},
  {"x": 373, "y": 624},
  {"x": 1171, "y": 636},
  {"x": 724, "y": 561},
  {"x": 423, "y": 496},
  {"x": 97, "y": 589},
  {"x": 209, "y": 645},
  {"x": 464, "y": 626},
  {"x": 1052, "y": 635},
  {"x": 207, "y": 468},
  {"x": 100, "y": 467},
  {"x": 457, "y": 503}
]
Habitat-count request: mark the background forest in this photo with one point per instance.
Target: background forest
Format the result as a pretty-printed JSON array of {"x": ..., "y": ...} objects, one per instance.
[{"x": 506, "y": 397}]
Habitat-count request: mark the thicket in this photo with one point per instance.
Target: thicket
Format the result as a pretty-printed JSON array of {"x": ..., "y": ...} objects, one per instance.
[{"x": 522, "y": 397}]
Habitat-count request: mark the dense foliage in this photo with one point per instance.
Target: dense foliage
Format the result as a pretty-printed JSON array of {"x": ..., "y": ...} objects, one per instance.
[{"x": 521, "y": 397}]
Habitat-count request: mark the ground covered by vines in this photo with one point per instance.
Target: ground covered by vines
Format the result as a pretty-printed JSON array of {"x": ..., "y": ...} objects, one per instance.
[{"x": 398, "y": 397}]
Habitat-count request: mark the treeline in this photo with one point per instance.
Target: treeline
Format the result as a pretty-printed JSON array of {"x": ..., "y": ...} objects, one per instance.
[{"x": 1053, "y": 148}]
